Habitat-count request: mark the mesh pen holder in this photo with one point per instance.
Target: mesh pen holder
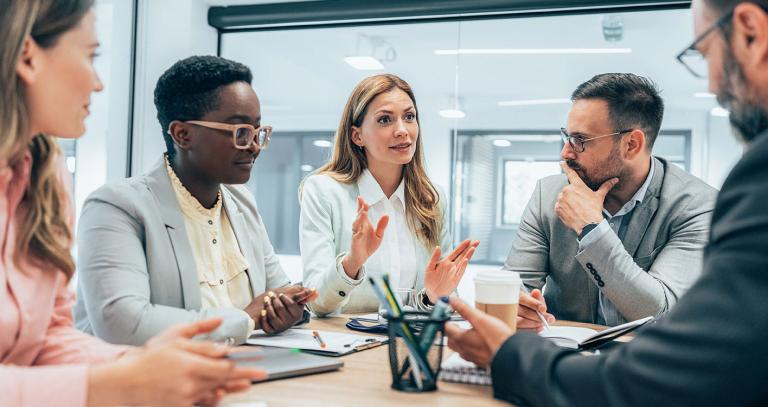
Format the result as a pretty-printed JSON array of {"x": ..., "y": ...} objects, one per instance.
[{"x": 402, "y": 357}]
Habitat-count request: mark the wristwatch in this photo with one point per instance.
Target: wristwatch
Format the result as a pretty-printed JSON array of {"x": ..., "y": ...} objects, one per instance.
[{"x": 586, "y": 229}]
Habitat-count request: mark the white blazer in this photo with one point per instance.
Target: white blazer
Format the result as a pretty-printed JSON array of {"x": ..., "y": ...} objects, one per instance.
[{"x": 328, "y": 209}]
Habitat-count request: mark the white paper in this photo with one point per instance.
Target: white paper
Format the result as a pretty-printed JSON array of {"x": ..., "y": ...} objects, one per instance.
[
  {"x": 567, "y": 336},
  {"x": 302, "y": 339}
]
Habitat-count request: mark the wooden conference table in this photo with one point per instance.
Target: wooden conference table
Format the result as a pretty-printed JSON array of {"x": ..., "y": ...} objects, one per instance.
[{"x": 364, "y": 380}]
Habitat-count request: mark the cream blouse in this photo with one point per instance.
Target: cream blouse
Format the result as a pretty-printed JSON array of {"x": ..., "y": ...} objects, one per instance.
[{"x": 221, "y": 266}]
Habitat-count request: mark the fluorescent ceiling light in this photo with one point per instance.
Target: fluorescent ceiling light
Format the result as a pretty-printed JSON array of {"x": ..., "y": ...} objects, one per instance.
[
  {"x": 307, "y": 168},
  {"x": 452, "y": 114},
  {"x": 704, "y": 95},
  {"x": 502, "y": 143},
  {"x": 322, "y": 143},
  {"x": 719, "y": 112},
  {"x": 532, "y": 102},
  {"x": 531, "y": 51},
  {"x": 364, "y": 63},
  {"x": 524, "y": 137}
]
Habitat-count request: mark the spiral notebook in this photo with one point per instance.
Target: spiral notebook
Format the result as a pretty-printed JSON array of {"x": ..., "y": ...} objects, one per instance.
[{"x": 457, "y": 370}]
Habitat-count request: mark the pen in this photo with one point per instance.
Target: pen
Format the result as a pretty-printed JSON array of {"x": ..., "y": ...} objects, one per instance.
[
  {"x": 543, "y": 320},
  {"x": 319, "y": 340}
]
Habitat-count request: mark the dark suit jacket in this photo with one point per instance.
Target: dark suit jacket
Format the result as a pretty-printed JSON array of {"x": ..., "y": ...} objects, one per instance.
[{"x": 711, "y": 349}]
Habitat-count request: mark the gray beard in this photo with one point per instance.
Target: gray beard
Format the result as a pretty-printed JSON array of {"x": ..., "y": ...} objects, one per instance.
[{"x": 748, "y": 119}]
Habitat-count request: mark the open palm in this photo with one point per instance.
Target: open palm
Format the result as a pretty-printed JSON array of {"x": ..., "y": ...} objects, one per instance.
[
  {"x": 442, "y": 276},
  {"x": 365, "y": 238}
]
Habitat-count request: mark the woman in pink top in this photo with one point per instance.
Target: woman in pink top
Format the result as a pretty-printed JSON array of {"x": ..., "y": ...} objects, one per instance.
[{"x": 46, "y": 78}]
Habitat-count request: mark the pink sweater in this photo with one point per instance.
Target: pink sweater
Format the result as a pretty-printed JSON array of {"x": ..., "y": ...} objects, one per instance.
[{"x": 44, "y": 359}]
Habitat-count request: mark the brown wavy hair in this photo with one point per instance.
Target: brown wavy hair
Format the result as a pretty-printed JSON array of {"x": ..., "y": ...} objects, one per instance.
[
  {"x": 45, "y": 233},
  {"x": 348, "y": 161}
]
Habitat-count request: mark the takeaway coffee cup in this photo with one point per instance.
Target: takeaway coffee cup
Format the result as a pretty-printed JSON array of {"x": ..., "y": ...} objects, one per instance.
[{"x": 497, "y": 294}]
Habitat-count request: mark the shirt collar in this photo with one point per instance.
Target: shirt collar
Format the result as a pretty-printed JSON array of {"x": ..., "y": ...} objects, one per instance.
[
  {"x": 371, "y": 191},
  {"x": 639, "y": 196}
]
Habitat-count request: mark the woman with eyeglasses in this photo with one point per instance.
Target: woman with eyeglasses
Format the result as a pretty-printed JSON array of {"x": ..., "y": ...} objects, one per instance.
[
  {"x": 46, "y": 80},
  {"x": 372, "y": 210},
  {"x": 184, "y": 241}
]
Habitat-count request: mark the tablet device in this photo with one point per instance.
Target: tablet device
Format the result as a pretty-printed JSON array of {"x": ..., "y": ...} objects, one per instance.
[{"x": 282, "y": 363}]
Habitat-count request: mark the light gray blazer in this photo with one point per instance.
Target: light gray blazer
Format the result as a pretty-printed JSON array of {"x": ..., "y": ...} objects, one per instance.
[
  {"x": 659, "y": 259},
  {"x": 136, "y": 270}
]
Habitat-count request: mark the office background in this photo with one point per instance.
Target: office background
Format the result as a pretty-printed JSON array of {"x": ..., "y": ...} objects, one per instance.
[{"x": 491, "y": 78}]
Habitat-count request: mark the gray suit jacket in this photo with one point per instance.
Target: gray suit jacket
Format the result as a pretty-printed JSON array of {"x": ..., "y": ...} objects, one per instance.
[
  {"x": 659, "y": 259},
  {"x": 136, "y": 270},
  {"x": 710, "y": 350}
]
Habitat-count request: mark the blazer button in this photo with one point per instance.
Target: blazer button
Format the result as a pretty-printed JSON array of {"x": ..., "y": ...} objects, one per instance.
[{"x": 342, "y": 293}]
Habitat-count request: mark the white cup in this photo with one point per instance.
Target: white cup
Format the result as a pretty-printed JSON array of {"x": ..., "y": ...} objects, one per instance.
[{"x": 497, "y": 293}]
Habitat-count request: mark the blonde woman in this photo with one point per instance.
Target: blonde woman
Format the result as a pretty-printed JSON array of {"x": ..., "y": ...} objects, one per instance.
[
  {"x": 46, "y": 80},
  {"x": 376, "y": 176}
]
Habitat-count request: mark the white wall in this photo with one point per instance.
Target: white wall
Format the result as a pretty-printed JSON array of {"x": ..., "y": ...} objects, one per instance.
[{"x": 168, "y": 30}]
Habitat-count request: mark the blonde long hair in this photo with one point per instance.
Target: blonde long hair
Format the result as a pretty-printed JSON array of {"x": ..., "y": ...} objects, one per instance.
[
  {"x": 44, "y": 233},
  {"x": 348, "y": 161}
]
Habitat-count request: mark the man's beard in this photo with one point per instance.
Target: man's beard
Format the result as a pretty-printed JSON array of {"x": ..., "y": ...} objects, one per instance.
[
  {"x": 748, "y": 119},
  {"x": 611, "y": 168}
]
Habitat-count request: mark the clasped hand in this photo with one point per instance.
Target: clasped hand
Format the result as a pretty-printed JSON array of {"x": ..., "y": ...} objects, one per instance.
[{"x": 279, "y": 309}]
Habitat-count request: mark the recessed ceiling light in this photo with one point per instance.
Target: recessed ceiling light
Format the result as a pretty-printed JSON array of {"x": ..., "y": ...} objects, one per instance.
[
  {"x": 531, "y": 51},
  {"x": 531, "y": 102},
  {"x": 704, "y": 95},
  {"x": 502, "y": 143},
  {"x": 364, "y": 63},
  {"x": 322, "y": 143},
  {"x": 452, "y": 114},
  {"x": 719, "y": 112},
  {"x": 307, "y": 168}
]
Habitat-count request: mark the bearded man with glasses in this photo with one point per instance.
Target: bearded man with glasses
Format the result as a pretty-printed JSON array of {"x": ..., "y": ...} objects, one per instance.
[
  {"x": 619, "y": 236},
  {"x": 184, "y": 241}
]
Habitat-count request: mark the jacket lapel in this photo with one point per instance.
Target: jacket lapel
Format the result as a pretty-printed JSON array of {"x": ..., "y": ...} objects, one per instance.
[
  {"x": 642, "y": 215},
  {"x": 160, "y": 185},
  {"x": 237, "y": 221}
]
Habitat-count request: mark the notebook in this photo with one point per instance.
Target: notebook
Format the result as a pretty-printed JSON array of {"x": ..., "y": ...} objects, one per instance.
[
  {"x": 457, "y": 370},
  {"x": 584, "y": 338},
  {"x": 336, "y": 343},
  {"x": 283, "y": 363}
]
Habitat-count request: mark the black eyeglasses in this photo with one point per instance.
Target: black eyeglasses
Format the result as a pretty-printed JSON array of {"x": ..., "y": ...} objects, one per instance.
[
  {"x": 691, "y": 57},
  {"x": 577, "y": 142}
]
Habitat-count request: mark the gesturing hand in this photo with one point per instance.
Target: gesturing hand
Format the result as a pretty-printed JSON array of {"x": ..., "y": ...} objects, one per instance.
[
  {"x": 577, "y": 204},
  {"x": 480, "y": 343},
  {"x": 442, "y": 276},
  {"x": 365, "y": 239}
]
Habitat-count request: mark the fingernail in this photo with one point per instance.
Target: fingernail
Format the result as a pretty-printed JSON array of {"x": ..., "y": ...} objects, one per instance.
[
  {"x": 263, "y": 313},
  {"x": 271, "y": 294},
  {"x": 267, "y": 300}
]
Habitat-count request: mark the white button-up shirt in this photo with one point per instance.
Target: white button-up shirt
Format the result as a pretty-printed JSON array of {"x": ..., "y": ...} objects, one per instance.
[{"x": 397, "y": 253}]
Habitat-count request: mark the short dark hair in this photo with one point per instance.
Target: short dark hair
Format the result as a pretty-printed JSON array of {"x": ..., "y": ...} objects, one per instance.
[
  {"x": 190, "y": 88},
  {"x": 633, "y": 101}
]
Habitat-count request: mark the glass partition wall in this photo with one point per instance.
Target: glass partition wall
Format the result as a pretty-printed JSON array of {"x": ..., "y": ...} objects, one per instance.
[{"x": 491, "y": 93}]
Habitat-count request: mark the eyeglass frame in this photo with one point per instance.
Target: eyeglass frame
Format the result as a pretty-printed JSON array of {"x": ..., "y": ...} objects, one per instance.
[
  {"x": 718, "y": 24},
  {"x": 567, "y": 138},
  {"x": 234, "y": 128}
]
